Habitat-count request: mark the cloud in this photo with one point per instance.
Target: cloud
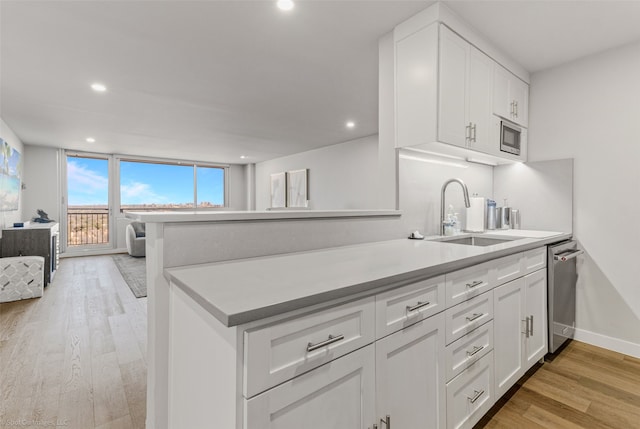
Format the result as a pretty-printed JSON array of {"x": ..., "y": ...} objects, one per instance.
[
  {"x": 139, "y": 193},
  {"x": 82, "y": 180}
]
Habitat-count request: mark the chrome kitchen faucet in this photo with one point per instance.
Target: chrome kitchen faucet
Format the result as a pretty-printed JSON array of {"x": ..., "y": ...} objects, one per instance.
[{"x": 465, "y": 193}]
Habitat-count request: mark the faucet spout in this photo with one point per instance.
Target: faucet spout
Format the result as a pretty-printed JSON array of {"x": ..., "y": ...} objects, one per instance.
[{"x": 465, "y": 194}]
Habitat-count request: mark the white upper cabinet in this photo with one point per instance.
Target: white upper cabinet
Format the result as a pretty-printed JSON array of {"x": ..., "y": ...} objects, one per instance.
[
  {"x": 447, "y": 91},
  {"x": 465, "y": 93},
  {"x": 510, "y": 96}
]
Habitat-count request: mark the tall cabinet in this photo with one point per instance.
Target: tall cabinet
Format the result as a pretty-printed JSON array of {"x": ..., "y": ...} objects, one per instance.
[{"x": 34, "y": 240}]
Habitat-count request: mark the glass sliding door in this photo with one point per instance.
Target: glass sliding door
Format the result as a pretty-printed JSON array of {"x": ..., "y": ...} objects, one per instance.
[{"x": 88, "y": 203}]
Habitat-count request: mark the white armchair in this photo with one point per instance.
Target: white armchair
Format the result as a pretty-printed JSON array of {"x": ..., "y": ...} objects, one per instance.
[
  {"x": 21, "y": 277},
  {"x": 136, "y": 240}
]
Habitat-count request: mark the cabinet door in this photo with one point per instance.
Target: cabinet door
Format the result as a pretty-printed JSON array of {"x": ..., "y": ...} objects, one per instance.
[
  {"x": 519, "y": 93},
  {"x": 479, "y": 101},
  {"x": 508, "y": 326},
  {"x": 501, "y": 98},
  {"x": 339, "y": 394},
  {"x": 452, "y": 125},
  {"x": 410, "y": 376},
  {"x": 536, "y": 311}
]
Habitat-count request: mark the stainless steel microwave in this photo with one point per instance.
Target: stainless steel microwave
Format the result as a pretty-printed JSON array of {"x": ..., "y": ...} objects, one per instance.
[{"x": 510, "y": 137}]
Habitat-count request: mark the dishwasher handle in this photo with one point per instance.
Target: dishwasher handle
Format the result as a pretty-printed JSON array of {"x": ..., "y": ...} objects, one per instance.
[{"x": 563, "y": 257}]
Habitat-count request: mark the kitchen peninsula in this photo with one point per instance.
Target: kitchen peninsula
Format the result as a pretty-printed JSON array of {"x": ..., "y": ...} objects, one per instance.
[{"x": 232, "y": 331}]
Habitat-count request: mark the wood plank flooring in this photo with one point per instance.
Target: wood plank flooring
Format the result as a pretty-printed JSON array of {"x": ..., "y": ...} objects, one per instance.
[
  {"x": 77, "y": 358},
  {"x": 582, "y": 387}
]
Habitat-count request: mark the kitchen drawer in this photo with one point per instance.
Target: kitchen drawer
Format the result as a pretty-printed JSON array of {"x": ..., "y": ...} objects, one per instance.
[
  {"x": 276, "y": 353},
  {"x": 399, "y": 308},
  {"x": 465, "y": 317},
  {"x": 467, "y": 283},
  {"x": 534, "y": 260},
  {"x": 505, "y": 269},
  {"x": 470, "y": 395},
  {"x": 469, "y": 349}
]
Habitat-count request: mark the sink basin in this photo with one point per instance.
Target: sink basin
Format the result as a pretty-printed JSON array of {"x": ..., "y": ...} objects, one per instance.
[{"x": 477, "y": 241}]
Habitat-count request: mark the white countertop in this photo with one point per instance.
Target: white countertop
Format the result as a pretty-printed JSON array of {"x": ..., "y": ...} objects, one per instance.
[
  {"x": 227, "y": 215},
  {"x": 245, "y": 290}
]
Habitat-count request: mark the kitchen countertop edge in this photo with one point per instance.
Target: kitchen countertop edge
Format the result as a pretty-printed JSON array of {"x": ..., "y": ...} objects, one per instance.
[{"x": 357, "y": 290}]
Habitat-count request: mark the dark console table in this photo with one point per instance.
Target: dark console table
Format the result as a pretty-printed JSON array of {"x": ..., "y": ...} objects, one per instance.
[{"x": 37, "y": 239}]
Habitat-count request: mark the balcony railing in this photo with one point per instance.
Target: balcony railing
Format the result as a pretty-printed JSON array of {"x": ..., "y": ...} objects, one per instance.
[{"x": 87, "y": 226}]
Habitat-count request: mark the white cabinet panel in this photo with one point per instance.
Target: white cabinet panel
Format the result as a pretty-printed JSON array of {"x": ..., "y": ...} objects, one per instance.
[
  {"x": 454, "y": 52},
  {"x": 535, "y": 260},
  {"x": 402, "y": 307},
  {"x": 465, "y": 317},
  {"x": 479, "y": 98},
  {"x": 339, "y": 394},
  {"x": 506, "y": 269},
  {"x": 470, "y": 395},
  {"x": 510, "y": 96},
  {"x": 536, "y": 344},
  {"x": 509, "y": 329},
  {"x": 410, "y": 376},
  {"x": 276, "y": 353},
  {"x": 467, "y": 283},
  {"x": 465, "y": 351}
]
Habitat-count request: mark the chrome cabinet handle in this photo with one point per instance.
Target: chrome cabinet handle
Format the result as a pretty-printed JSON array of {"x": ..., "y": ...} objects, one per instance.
[
  {"x": 418, "y": 306},
  {"x": 526, "y": 327},
  {"x": 512, "y": 109},
  {"x": 332, "y": 339},
  {"x": 386, "y": 421},
  {"x": 476, "y": 396},
  {"x": 475, "y": 350},
  {"x": 474, "y": 316},
  {"x": 531, "y": 325},
  {"x": 467, "y": 132},
  {"x": 474, "y": 284},
  {"x": 473, "y": 130}
]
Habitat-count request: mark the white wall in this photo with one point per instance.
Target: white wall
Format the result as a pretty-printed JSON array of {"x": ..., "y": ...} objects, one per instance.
[
  {"x": 7, "y": 218},
  {"x": 341, "y": 176},
  {"x": 589, "y": 110},
  {"x": 420, "y": 183},
  {"x": 42, "y": 181}
]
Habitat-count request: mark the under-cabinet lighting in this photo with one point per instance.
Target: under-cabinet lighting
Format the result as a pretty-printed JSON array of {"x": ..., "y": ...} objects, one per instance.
[
  {"x": 428, "y": 152},
  {"x": 285, "y": 4},
  {"x": 350, "y": 124},
  {"x": 90, "y": 140},
  {"x": 433, "y": 161},
  {"x": 482, "y": 161}
]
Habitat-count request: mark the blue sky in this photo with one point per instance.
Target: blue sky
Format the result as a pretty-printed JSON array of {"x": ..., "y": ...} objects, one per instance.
[{"x": 142, "y": 183}]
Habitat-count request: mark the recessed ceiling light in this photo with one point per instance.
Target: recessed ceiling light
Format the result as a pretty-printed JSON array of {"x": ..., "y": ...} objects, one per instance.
[
  {"x": 351, "y": 124},
  {"x": 90, "y": 140},
  {"x": 285, "y": 4},
  {"x": 243, "y": 156},
  {"x": 98, "y": 87}
]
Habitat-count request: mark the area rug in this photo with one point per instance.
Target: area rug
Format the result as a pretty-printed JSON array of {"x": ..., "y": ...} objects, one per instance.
[{"x": 134, "y": 272}]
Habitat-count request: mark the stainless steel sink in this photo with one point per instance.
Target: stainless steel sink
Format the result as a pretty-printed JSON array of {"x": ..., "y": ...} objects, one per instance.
[{"x": 477, "y": 241}]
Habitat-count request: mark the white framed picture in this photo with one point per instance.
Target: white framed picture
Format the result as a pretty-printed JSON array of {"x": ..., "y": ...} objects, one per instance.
[
  {"x": 297, "y": 188},
  {"x": 278, "y": 190}
]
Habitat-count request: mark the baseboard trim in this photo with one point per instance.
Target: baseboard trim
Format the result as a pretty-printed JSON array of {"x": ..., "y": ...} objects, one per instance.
[{"x": 610, "y": 343}]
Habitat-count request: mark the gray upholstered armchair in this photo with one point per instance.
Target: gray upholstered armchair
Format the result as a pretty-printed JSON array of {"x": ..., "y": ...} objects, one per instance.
[{"x": 136, "y": 239}]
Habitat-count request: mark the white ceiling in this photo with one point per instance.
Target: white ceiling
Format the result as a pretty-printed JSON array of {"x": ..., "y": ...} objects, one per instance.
[{"x": 213, "y": 80}]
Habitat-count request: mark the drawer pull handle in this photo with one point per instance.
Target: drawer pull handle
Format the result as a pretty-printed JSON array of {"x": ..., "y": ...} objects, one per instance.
[
  {"x": 474, "y": 316},
  {"x": 418, "y": 306},
  {"x": 386, "y": 422},
  {"x": 332, "y": 339},
  {"x": 475, "y": 350},
  {"x": 474, "y": 284},
  {"x": 476, "y": 396}
]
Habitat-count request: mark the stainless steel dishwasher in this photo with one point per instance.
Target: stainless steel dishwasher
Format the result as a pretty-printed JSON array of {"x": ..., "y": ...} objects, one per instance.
[{"x": 561, "y": 294}]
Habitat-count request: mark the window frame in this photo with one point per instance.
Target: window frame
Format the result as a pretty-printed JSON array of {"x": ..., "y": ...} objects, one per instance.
[{"x": 193, "y": 164}]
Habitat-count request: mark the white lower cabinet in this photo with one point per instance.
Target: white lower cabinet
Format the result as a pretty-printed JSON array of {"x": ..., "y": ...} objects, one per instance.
[
  {"x": 519, "y": 327},
  {"x": 339, "y": 394},
  {"x": 410, "y": 377},
  {"x": 470, "y": 395}
]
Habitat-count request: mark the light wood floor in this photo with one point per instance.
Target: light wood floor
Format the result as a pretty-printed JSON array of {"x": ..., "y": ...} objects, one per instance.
[
  {"x": 583, "y": 387},
  {"x": 77, "y": 357}
]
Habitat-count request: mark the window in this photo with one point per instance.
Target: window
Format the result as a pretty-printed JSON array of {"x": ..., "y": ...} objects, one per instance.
[{"x": 146, "y": 185}]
